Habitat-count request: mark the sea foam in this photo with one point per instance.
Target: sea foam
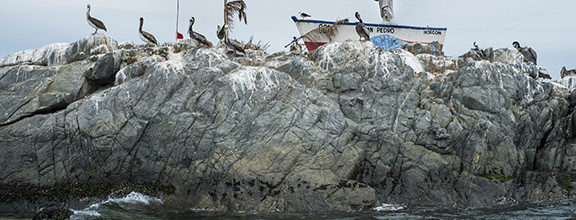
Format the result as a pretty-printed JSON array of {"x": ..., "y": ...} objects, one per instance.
[
  {"x": 388, "y": 207},
  {"x": 133, "y": 198}
]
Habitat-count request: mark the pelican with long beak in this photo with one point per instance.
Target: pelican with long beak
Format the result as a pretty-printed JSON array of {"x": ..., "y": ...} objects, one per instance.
[
  {"x": 197, "y": 36},
  {"x": 233, "y": 44},
  {"x": 528, "y": 53},
  {"x": 95, "y": 23},
  {"x": 361, "y": 29},
  {"x": 145, "y": 36}
]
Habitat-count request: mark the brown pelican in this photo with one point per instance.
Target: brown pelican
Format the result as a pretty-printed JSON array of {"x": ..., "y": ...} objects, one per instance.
[
  {"x": 565, "y": 73},
  {"x": 145, "y": 36},
  {"x": 361, "y": 29},
  {"x": 95, "y": 23},
  {"x": 233, "y": 44},
  {"x": 476, "y": 53},
  {"x": 196, "y": 36},
  {"x": 543, "y": 73},
  {"x": 528, "y": 53},
  {"x": 304, "y": 15}
]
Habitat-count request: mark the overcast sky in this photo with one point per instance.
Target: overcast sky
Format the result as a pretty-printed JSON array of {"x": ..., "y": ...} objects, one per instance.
[{"x": 547, "y": 26}]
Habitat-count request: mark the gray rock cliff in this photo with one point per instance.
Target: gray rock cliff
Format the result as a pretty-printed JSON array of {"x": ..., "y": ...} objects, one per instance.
[{"x": 348, "y": 128}]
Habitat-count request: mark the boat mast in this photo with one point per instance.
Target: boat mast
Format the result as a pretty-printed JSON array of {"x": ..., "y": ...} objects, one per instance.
[{"x": 177, "y": 15}]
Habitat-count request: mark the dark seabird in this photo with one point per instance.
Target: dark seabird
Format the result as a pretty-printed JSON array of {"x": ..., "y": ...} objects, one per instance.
[
  {"x": 145, "y": 36},
  {"x": 543, "y": 73},
  {"x": 476, "y": 53},
  {"x": 304, "y": 15},
  {"x": 361, "y": 29},
  {"x": 95, "y": 23},
  {"x": 233, "y": 44},
  {"x": 220, "y": 32},
  {"x": 564, "y": 72},
  {"x": 528, "y": 53},
  {"x": 197, "y": 36}
]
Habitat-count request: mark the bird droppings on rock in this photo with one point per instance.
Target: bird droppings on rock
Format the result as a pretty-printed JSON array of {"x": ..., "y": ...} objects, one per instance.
[{"x": 349, "y": 127}]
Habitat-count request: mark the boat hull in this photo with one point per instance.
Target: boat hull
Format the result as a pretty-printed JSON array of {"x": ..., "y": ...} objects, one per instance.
[{"x": 382, "y": 35}]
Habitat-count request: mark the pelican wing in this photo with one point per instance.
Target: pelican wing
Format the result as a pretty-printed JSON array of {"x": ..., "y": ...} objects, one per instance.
[
  {"x": 200, "y": 38},
  {"x": 149, "y": 38},
  {"x": 235, "y": 45},
  {"x": 533, "y": 54},
  {"x": 363, "y": 31},
  {"x": 99, "y": 24}
]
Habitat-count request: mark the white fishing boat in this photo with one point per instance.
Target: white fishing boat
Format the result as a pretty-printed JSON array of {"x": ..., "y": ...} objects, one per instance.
[
  {"x": 388, "y": 34},
  {"x": 382, "y": 35}
]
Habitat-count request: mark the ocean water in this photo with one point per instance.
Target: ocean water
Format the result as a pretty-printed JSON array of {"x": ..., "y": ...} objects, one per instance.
[{"x": 139, "y": 206}]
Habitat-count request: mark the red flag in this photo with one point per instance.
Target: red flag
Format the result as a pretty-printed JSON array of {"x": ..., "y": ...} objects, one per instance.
[{"x": 179, "y": 35}]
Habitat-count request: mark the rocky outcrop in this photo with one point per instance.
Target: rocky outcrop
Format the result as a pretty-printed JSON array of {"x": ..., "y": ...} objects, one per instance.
[{"x": 347, "y": 128}]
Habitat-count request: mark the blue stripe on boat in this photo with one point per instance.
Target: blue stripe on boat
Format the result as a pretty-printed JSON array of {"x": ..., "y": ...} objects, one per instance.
[{"x": 369, "y": 24}]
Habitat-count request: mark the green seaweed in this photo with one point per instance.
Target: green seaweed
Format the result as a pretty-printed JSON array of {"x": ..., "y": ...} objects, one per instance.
[
  {"x": 565, "y": 185},
  {"x": 498, "y": 177},
  {"x": 565, "y": 179}
]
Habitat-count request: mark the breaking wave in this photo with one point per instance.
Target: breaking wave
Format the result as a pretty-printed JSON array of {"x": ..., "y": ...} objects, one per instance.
[{"x": 134, "y": 205}]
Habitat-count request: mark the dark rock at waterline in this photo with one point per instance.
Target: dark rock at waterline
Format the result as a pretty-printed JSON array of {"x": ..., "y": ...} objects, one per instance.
[
  {"x": 347, "y": 128},
  {"x": 53, "y": 213}
]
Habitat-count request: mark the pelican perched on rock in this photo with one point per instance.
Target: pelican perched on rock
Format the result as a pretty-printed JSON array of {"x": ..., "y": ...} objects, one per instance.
[
  {"x": 565, "y": 73},
  {"x": 93, "y": 22},
  {"x": 145, "y": 36},
  {"x": 476, "y": 47},
  {"x": 304, "y": 15},
  {"x": 196, "y": 36},
  {"x": 543, "y": 73},
  {"x": 233, "y": 44},
  {"x": 528, "y": 53},
  {"x": 476, "y": 53},
  {"x": 361, "y": 29}
]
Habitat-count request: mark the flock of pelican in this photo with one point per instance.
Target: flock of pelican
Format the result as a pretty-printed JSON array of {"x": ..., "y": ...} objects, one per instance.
[
  {"x": 149, "y": 39},
  {"x": 528, "y": 53}
]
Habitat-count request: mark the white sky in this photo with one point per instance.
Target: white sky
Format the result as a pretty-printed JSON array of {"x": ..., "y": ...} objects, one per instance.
[{"x": 547, "y": 26}]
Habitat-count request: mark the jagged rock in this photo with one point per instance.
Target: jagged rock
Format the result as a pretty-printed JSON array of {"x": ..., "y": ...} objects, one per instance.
[
  {"x": 184, "y": 45},
  {"x": 347, "y": 128},
  {"x": 27, "y": 90},
  {"x": 105, "y": 68},
  {"x": 91, "y": 45},
  {"x": 299, "y": 69},
  {"x": 127, "y": 45},
  {"x": 52, "y": 54},
  {"x": 477, "y": 54},
  {"x": 433, "y": 48},
  {"x": 134, "y": 70},
  {"x": 567, "y": 82},
  {"x": 508, "y": 56}
]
